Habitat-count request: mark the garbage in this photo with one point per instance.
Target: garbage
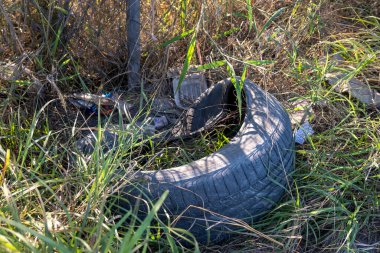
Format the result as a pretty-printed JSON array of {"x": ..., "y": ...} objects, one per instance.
[
  {"x": 151, "y": 124},
  {"x": 343, "y": 83},
  {"x": 90, "y": 102},
  {"x": 147, "y": 124},
  {"x": 163, "y": 105},
  {"x": 145, "y": 127},
  {"x": 83, "y": 104},
  {"x": 354, "y": 87},
  {"x": 166, "y": 106},
  {"x": 191, "y": 88},
  {"x": 110, "y": 136},
  {"x": 86, "y": 145},
  {"x": 301, "y": 111},
  {"x": 106, "y": 103},
  {"x": 303, "y": 132},
  {"x": 160, "y": 122}
]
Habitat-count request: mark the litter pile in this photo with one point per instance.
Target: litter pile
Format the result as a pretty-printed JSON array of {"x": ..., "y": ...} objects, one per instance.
[{"x": 158, "y": 120}]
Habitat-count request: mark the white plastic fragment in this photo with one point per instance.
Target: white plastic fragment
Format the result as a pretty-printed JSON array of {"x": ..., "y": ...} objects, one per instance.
[
  {"x": 107, "y": 102},
  {"x": 300, "y": 112},
  {"x": 303, "y": 132},
  {"x": 163, "y": 104},
  {"x": 356, "y": 88},
  {"x": 160, "y": 122},
  {"x": 342, "y": 83},
  {"x": 191, "y": 88}
]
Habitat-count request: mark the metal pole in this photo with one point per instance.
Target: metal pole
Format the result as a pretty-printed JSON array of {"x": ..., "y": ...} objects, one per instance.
[{"x": 133, "y": 43}]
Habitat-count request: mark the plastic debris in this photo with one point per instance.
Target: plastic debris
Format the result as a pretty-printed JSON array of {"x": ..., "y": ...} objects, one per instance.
[
  {"x": 303, "y": 132},
  {"x": 83, "y": 104},
  {"x": 91, "y": 102},
  {"x": 151, "y": 124},
  {"x": 163, "y": 105},
  {"x": 191, "y": 88},
  {"x": 110, "y": 137},
  {"x": 86, "y": 145},
  {"x": 300, "y": 112},
  {"x": 106, "y": 103},
  {"x": 354, "y": 87},
  {"x": 160, "y": 122},
  {"x": 146, "y": 128},
  {"x": 344, "y": 83},
  {"x": 166, "y": 106}
]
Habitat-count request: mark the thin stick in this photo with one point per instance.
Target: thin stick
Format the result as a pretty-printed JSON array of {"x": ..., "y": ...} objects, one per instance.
[{"x": 17, "y": 47}]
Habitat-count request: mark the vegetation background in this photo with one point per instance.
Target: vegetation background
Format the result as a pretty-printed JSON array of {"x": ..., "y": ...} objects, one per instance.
[{"x": 53, "y": 200}]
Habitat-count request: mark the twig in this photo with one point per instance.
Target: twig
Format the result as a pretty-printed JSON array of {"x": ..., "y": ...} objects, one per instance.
[
  {"x": 51, "y": 79},
  {"x": 16, "y": 43}
]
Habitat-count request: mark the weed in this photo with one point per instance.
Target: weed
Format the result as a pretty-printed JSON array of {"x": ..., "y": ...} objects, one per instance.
[{"x": 53, "y": 199}]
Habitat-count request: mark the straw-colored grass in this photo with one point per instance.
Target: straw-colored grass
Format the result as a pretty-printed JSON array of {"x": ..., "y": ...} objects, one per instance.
[{"x": 53, "y": 200}]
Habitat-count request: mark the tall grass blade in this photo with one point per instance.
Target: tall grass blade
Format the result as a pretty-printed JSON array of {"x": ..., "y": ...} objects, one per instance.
[
  {"x": 237, "y": 85},
  {"x": 183, "y": 14},
  {"x": 48, "y": 241},
  {"x": 251, "y": 21},
  {"x": 144, "y": 227},
  {"x": 21, "y": 240},
  {"x": 270, "y": 20},
  {"x": 6, "y": 165},
  {"x": 56, "y": 41},
  {"x": 110, "y": 236},
  {"x": 187, "y": 62},
  {"x": 62, "y": 10},
  {"x": 6, "y": 246},
  {"x": 212, "y": 65},
  {"x": 176, "y": 38},
  {"x": 259, "y": 62},
  {"x": 240, "y": 89}
]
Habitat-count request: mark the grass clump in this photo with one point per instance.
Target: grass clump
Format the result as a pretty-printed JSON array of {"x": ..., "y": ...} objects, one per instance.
[{"x": 52, "y": 199}]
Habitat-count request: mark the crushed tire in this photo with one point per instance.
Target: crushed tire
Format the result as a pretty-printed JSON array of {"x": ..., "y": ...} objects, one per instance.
[{"x": 243, "y": 180}]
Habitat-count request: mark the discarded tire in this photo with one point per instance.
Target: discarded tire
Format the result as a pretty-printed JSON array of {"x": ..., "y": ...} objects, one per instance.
[{"x": 242, "y": 180}]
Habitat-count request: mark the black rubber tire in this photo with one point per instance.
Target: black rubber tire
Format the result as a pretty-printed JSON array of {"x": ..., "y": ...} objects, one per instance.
[{"x": 243, "y": 180}]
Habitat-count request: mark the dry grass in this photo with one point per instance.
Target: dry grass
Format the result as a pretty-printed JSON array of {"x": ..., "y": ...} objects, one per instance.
[{"x": 48, "y": 49}]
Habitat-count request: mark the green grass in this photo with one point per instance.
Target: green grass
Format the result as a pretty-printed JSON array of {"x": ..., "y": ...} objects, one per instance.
[{"x": 54, "y": 200}]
